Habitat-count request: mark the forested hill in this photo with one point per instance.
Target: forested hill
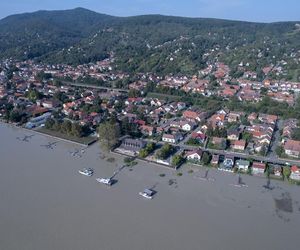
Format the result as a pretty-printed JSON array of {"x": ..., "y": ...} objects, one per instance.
[
  {"x": 40, "y": 33},
  {"x": 152, "y": 43}
]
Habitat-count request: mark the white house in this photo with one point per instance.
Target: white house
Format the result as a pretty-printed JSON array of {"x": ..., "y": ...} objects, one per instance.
[
  {"x": 172, "y": 138},
  {"x": 187, "y": 126},
  {"x": 194, "y": 155},
  {"x": 295, "y": 173},
  {"x": 242, "y": 165},
  {"x": 156, "y": 103},
  {"x": 222, "y": 112},
  {"x": 181, "y": 105}
]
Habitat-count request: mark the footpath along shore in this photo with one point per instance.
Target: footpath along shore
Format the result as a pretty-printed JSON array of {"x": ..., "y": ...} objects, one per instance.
[{"x": 35, "y": 131}]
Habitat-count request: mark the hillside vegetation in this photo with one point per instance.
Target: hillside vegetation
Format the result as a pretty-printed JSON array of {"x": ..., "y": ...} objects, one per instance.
[{"x": 152, "y": 43}]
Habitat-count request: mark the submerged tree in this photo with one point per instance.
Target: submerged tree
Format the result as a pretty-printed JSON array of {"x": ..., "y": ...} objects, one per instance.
[{"x": 108, "y": 135}]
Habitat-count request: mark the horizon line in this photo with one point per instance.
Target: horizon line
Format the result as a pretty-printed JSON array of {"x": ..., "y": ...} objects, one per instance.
[{"x": 149, "y": 14}]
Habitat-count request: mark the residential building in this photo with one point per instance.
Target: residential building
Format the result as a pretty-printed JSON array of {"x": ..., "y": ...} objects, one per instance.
[
  {"x": 292, "y": 148},
  {"x": 228, "y": 163},
  {"x": 49, "y": 104},
  {"x": 234, "y": 116},
  {"x": 133, "y": 145},
  {"x": 217, "y": 120},
  {"x": 242, "y": 165},
  {"x": 172, "y": 138},
  {"x": 196, "y": 86},
  {"x": 269, "y": 119},
  {"x": 147, "y": 130},
  {"x": 187, "y": 126},
  {"x": 215, "y": 160},
  {"x": 295, "y": 173},
  {"x": 38, "y": 121},
  {"x": 289, "y": 126},
  {"x": 199, "y": 136},
  {"x": 275, "y": 171},
  {"x": 238, "y": 145},
  {"x": 258, "y": 168},
  {"x": 183, "y": 125},
  {"x": 194, "y": 115},
  {"x": 194, "y": 155},
  {"x": 233, "y": 135},
  {"x": 252, "y": 117}
]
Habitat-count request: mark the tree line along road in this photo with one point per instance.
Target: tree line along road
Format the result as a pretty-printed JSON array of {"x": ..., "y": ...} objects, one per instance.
[
  {"x": 266, "y": 159},
  {"x": 83, "y": 85}
]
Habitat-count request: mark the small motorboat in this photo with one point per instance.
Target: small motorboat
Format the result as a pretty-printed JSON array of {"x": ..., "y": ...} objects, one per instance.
[
  {"x": 147, "y": 193},
  {"x": 87, "y": 172},
  {"x": 106, "y": 181}
]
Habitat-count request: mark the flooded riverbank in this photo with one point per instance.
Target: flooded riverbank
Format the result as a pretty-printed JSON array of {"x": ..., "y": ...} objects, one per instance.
[{"x": 47, "y": 204}]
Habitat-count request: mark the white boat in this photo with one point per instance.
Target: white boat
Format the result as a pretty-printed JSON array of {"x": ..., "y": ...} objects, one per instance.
[
  {"x": 147, "y": 193},
  {"x": 106, "y": 181},
  {"x": 87, "y": 171},
  {"x": 239, "y": 185}
]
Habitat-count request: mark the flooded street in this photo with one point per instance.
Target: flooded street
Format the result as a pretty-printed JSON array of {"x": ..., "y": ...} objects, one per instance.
[{"x": 46, "y": 204}]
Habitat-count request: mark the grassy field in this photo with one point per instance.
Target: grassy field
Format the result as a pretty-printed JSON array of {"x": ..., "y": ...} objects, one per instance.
[
  {"x": 164, "y": 96},
  {"x": 82, "y": 140}
]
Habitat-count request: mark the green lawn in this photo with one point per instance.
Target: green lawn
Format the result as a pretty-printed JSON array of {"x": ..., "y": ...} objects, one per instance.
[
  {"x": 83, "y": 140},
  {"x": 164, "y": 96}
]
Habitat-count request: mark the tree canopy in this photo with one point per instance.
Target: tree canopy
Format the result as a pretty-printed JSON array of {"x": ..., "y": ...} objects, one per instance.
[
  {"x": 108, "y": 135},
  {"x": 153, "y": 43}
]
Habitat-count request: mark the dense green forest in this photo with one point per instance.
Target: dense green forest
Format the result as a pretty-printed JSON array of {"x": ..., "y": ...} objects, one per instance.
[{"x": 152, "y": 43}]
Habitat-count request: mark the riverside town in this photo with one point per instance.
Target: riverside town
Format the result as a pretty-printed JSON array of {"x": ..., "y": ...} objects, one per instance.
[
  {"x": 150, "y": 125},
  {"x": 213, "y": 119}
]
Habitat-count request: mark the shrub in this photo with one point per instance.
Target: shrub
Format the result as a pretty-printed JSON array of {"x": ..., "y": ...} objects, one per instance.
[
  {"x": 128, "y": 160},
  {"x": 110, "y": 159},
  {"x": 177, "y": 159},
  {"x": 133, "y": 163},
  {"x": 165, "y": 151},
  {"x": 206, "y": 158}
]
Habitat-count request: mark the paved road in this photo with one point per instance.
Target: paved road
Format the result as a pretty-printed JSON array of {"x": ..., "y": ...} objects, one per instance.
[
  {"x": 76, "y": 84},
  {"x": 275, "y": 139},
  {"x": 247, "y": 156},
  {"x": 271, "y": 158}
]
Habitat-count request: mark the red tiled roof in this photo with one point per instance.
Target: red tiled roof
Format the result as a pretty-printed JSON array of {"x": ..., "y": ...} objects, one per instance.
[
  {"x": 294, "y": 168},
  {"x": 240, "y": 143},
  {"x": 198, "y": 135},
  {"x": 199, "y": 152},
  {"x": 190, "y": 114},
  {"x": 140, "y": 122},
  {"x": 292, "y": 145},
  {"x": 259, "y": 165}
]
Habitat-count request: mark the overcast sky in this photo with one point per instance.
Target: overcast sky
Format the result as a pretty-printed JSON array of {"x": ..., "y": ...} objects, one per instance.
[{"x": 248, "y": 10}]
